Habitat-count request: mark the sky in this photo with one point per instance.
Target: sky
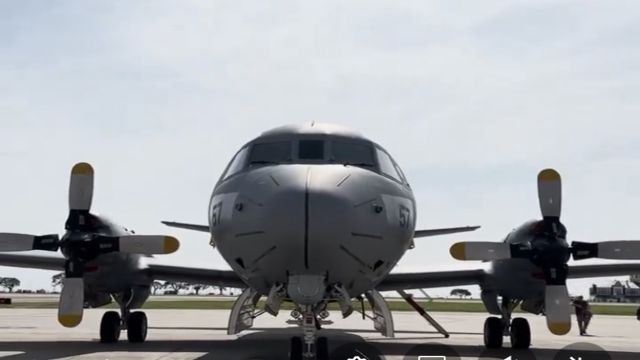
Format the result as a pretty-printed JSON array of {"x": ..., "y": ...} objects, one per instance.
[{"x": 471, "y": 98}]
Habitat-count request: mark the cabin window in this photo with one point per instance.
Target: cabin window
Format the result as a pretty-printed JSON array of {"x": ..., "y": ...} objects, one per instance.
[
  {"x": 311, "y": 149},
  {"x": 270, "y": 153}
]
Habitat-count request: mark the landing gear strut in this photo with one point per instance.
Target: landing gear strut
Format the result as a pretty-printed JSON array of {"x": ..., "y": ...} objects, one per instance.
[
  {"x": 308, "y": 347},
  {"x": 134, "y": 322},
  {"x": 517, "y": 329}
]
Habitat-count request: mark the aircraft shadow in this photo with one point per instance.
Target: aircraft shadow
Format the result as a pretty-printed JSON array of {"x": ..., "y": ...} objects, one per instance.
[
  {"x": 274, "y": 345},
  {"x": 341, "y": 329}
]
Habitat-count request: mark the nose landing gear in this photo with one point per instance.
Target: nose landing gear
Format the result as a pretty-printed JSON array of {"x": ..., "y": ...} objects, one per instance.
[{"x": 309, "y": 347}]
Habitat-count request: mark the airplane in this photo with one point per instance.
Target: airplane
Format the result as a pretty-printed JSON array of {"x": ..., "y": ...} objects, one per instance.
[
  {"x": 529, "y": 268},
  {"x": 316, "y": 214}
]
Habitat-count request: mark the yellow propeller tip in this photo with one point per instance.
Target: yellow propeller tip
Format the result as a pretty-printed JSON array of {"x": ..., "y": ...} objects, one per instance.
[
  {"x": 561, "y": 328},
  {"x": 458, "y": 252},
  {"x": 170, "y": 245},
  {"x": 69, "y": 320},
  {"x": 548, "y": 175},
  {"x": 82, "y": 169}
]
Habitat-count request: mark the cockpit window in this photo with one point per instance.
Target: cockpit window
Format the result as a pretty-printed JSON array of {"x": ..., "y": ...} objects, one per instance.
[
  {"x": 387, "y": 166},
  {"x": 352, "y": 153},
  {"x": 237, "y": 163},
  {"x": 270, "y": 153},
  {"x": 311, "y": 149}
]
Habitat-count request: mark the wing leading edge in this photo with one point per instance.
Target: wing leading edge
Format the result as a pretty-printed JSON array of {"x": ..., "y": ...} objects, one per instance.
[
  {"x": 194, "y": 227},
  {"x": 444, "y": 231}
]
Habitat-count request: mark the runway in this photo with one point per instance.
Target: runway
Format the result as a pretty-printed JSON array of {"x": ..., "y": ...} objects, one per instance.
[{"x": 201, "y": 334}]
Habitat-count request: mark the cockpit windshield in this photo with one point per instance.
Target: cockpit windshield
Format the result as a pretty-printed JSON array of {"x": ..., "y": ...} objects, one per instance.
[
  {"x": 277, "y": 152},
  {"x": 352, "y": 153},
  {"x": 314, "y": 150}
]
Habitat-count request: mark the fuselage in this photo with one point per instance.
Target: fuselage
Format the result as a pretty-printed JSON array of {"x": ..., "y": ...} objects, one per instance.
[{"x": 311, "y": 207}]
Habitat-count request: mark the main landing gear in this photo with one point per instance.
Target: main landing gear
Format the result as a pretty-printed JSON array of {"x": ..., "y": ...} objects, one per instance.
[
  {"x": 134, "y": 322},
  {"x": 496, "y": 328}
]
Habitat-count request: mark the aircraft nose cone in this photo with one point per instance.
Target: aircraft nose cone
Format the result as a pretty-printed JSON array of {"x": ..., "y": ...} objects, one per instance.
[
  {"x": 358, "y": 223},
  {"x": 344, "y": 223}
]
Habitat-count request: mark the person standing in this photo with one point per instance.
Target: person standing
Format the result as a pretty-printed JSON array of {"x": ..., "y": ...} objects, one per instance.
[{"x": 583, "y": 314}]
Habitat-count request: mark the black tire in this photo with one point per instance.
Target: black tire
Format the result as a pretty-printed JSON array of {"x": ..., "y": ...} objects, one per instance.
[
  {"x": 493, "y": 332},
  {"x": 110, "y": 327},
  {"x": 295, "y": 351},
  {"x": 137, "y": 327},
  {"x": 520, "y": 333},
  {"x": 322, "y": 348}
]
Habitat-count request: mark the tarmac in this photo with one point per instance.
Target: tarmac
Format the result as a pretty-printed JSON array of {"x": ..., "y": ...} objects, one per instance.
[{"x": 201, "y": 334}]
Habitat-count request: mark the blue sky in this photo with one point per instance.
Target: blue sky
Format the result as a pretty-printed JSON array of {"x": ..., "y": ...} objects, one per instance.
[{"x": 471, "y": 98}]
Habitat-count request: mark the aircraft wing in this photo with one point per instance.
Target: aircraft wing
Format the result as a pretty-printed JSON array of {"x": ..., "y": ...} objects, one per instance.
[
  {"x": 587, "y": 271},
  {"x": 161, "y": 272},
  {"x": 33, "y": 262},
  {"x": 186, "y": 226},
  {"x": 406, "y": 281},
  {"x": 196, "y": 275},
  {"x": 443, "y": 231}
]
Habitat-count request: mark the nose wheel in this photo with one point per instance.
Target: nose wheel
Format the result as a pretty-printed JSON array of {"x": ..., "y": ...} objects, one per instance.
[
  {"x": 112, "y": 324},
  {"x": 309, "y": 347},
  {"x": 319, "y": 351}
]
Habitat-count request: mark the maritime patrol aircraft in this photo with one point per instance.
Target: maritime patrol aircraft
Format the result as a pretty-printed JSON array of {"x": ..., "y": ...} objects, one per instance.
[{"x": 312, "y": 215}]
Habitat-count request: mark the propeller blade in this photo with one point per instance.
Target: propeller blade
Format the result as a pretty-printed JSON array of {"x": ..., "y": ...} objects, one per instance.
[
  {"x": 550, "y": 193},
  {"x": 480, "y": 250},
  {"x": 81, "y": 187},
  {"x": 71, "y": 304},
  {"x": 140, "y": 244},
  {"x": 615, "y": 250},
  {"x": 557, "y": 309},
  {"x": 24, "y": 242},
  {"x": 80, "y": 195}
]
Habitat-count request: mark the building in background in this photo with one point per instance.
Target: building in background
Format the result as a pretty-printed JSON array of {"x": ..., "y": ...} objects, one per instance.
[{"x": 622, "y": 292}]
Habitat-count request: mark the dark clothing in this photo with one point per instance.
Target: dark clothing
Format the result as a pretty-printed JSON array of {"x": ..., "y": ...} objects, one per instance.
[
  {"x": 581, "y": 306},
  {"x": 583, "y": 315}
]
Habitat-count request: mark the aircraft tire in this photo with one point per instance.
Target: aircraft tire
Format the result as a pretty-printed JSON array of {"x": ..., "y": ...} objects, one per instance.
[
  {"x": 493, "y": 332},
  {"x": 322, "y": 348},
  {"x": 110, "y": 327},
  {"x": 295, "y": 351},
  {"x": 520, "y": 333},
  {"x": 137, "y": 327}
]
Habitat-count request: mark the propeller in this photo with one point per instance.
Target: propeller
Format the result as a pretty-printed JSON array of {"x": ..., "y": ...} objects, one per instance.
[
  {"x": 84, "y": 240},
  {"x": 544, "y": 243}
]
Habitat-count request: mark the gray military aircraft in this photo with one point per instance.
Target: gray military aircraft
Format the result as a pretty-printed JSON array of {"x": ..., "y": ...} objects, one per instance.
[
  {"x": 529, "y": 269},
  {"x": 311, "y": 215}
]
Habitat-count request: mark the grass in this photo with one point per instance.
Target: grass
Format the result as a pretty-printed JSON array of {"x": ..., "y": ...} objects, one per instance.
[{"x": 449, "y": 306}]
